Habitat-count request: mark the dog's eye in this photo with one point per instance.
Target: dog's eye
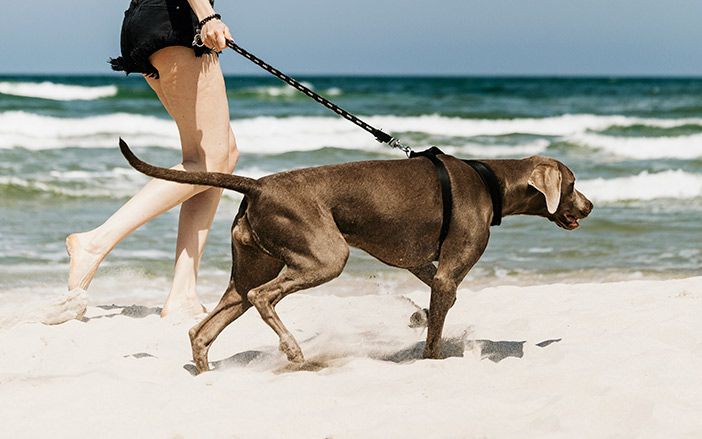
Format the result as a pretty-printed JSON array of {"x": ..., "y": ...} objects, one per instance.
[{"x": 571, "y": 187}]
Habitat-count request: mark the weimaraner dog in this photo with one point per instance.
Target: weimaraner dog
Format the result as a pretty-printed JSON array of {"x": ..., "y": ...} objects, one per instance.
[{"x": 305, "y": 220}]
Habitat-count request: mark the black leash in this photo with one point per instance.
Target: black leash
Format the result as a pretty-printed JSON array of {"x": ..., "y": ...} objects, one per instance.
[
  {"x": 380, "y": 135},
  {"x": 486, "y": 174}
]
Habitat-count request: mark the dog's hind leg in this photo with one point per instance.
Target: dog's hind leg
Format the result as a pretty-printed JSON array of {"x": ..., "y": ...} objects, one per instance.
[
  {"x": 250, "y": 268},
  {"x": 308, "y": 271},
  {"x": 230, "y": 307}
]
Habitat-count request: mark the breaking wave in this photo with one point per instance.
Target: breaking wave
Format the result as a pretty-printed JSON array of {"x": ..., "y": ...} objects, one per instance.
[
  {"x": 674, "y": 184},
  {"x": 271, "y": 135},
  {"x": 117, "y": 183},
  {"x": 57, "y": 92},
  {"x": 285, "y": 91},
  {"x": 641, "y": 148}
]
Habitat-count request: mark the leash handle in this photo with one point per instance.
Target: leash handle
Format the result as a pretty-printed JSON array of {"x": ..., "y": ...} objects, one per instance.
[{"x": 380, "y": 135}]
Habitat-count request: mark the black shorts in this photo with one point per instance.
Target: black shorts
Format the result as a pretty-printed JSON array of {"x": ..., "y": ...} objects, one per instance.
[{"x": 150, "y": 25}]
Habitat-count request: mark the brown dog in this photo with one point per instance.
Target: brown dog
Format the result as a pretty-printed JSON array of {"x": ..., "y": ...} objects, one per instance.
[{"x": 305, "y": 220}]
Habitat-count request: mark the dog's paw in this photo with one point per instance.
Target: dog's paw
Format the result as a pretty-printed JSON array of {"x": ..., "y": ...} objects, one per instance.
[
  {"x": 291, "y": 349},
  {"x": 419, "y": 319}
]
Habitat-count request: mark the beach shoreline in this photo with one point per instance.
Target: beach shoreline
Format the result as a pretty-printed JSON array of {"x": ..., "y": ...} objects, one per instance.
[{"x": 558, "y": 360}]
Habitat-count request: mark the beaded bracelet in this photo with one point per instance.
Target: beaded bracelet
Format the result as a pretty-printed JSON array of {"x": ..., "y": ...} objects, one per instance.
[{"x": 210, "y": 18}]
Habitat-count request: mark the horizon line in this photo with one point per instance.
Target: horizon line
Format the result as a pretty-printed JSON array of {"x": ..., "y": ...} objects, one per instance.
[{"x": 401, "y": 75}]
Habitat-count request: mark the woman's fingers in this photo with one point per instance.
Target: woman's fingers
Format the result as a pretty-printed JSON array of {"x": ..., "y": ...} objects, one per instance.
[
  {"x": 227, "y": 34},
  {"x": 215, "y": 35},
  {"x": 209, "y": 39},
  {"x": 221, "y": 41}
]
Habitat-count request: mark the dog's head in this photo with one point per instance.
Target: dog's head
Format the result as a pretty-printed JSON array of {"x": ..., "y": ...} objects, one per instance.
[{"x": 557, "y": 199}]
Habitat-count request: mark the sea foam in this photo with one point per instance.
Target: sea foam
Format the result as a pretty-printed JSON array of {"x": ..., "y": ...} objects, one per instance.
[
  {"x": 57, "y": 92},
  {"x": 276, "y": 91},
  {"x": 272, "y": 135},
  {"x": 117, "y": 183},
  {"x": 641, "y": 148},
  {"x": 263, "y": 135},
  {"x": 674, "y": 184}
]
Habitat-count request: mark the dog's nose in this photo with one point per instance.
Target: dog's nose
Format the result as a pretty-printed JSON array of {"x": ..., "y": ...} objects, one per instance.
[{"x": 588, "y": 207}]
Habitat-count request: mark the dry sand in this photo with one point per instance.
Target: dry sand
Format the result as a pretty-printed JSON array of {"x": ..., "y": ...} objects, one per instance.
[{"x": 616, "y": 360}]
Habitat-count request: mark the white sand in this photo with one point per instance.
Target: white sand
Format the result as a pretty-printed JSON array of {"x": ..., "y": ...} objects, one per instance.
[{"x": 628, "y": 364}]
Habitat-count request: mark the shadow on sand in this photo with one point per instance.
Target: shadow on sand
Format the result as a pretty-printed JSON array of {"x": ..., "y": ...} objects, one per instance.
[
  {"x": 494, "y": 351},
  {"x": 242, "y": 359},
  {"x": 132, "y": 311},
  {"x": 450, "y": 347}
]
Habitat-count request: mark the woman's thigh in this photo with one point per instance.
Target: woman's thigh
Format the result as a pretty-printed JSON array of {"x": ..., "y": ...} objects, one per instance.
[
  {"x": 192, "y": 90},
  {"x": 156, "y": 87}
]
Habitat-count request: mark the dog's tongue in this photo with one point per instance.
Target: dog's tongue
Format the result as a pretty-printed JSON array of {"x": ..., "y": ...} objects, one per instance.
[{"x": 571, "y": 221}]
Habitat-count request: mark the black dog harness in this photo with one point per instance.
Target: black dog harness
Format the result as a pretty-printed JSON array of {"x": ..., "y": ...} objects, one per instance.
[{"x": 486, "y": 175}]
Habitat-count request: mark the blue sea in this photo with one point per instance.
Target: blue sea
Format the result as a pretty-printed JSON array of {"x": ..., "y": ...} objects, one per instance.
[{"x": 634, "y": 144}]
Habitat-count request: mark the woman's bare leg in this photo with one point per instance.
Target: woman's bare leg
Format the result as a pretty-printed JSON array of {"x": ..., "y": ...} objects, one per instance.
[
  {"x": 193, "y": 91},
  {"x": 194, "y": 222}
]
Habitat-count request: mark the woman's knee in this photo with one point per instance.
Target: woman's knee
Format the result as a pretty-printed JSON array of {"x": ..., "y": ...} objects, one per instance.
[
  {"x": 222, "y": 159},
  {"x": 213, "y": 159},
  {"x": 202, "y": 158}
]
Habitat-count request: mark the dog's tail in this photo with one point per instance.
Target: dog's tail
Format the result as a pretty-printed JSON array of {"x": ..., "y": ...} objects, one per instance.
[{"x": 244, "y": 185}]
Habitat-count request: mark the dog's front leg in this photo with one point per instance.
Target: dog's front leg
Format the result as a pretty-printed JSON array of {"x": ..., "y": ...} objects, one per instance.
[
  {"x": 443, "y": 295},
  {"x": 453, "y": 267}
]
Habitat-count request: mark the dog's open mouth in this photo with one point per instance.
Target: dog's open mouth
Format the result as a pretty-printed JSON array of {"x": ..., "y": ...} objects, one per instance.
[{"x": 568, "y": 222}]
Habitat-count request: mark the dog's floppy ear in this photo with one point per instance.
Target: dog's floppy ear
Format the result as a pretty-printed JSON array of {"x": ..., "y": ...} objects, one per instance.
[{"x": 546, "y": 178}]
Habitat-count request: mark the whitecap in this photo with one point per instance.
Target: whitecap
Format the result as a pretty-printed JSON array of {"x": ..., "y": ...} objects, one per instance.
[
  {"x": 262, "y": 135},
  {"x": 333, "y": 91},
  {"x": 674, "y": 184},
  {"x": 277, "y": 91},
  {"x": 489, "y": 151},
  {"x": 117, "y": 183},
  {"x": 641, "y": 148},
  {"x": 272, "y": 135},
  {"x": 57, "y": 92}
]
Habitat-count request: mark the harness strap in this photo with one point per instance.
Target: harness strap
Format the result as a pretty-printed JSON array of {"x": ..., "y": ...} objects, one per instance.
[
  {"x": 493, "y": 185},
  {"x": 487, "y": 176},
  {"x": 445, "y": 182}
]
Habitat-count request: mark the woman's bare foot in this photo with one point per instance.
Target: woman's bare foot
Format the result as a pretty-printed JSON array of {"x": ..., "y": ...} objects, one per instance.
[
  {"x": 84, "y": 261},
  {"x": 69, "y": 307},
  {"x": 189, "y": 307}
]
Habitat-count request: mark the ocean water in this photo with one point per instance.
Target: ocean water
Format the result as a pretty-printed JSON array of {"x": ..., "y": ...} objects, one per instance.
[{"x": 634, "y": 144}]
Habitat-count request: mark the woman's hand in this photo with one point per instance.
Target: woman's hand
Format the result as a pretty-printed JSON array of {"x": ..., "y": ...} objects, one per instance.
[{"x": 215, "y": 34}]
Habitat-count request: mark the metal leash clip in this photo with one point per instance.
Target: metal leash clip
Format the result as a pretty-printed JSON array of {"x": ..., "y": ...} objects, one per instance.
[
  {"x": 197, "y": 41},
  {"x": 395, "y": 143}
]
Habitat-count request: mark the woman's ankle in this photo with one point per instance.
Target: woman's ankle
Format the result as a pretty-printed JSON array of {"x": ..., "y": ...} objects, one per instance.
[{"x": 90, "y": 242}]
